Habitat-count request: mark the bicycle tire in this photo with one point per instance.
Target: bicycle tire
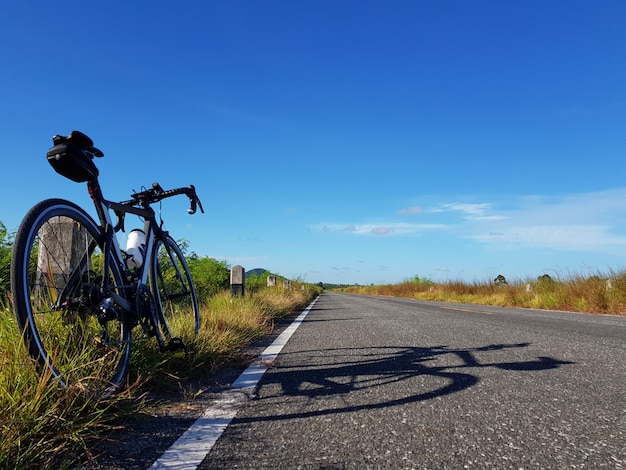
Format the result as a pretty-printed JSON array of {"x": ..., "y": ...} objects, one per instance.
[
  {"x": 56, "y": 276},
  {"x": 174, "y": 293}
]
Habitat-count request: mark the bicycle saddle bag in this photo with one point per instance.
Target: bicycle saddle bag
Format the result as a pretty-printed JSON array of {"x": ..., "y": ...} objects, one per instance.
[{"x": 72, "y": 157}]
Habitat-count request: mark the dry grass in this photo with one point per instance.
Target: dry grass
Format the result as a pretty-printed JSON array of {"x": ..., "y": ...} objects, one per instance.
[
  {"x": 602, "y": 293},
  {"x": 44, "y": 427}
]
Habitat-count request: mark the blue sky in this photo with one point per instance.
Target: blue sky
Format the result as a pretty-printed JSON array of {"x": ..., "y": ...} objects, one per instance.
[{"x": 337, "y": 141}]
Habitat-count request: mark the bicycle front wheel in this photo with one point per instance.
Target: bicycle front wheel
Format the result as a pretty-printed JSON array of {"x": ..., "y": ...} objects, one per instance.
[
  {"x": 61, "y": 300},
  {"x": 174, "y": 293}
]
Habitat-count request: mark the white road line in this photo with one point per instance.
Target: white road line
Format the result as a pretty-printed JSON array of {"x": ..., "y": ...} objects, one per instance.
[{"x": 192, "y": 447}]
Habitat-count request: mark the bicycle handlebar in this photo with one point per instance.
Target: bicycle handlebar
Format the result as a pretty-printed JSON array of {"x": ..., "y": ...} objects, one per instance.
[{"x": 157, "y": 193}]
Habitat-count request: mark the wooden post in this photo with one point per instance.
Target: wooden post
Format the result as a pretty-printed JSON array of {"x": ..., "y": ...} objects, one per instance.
[{"x": 237, "y": 279}]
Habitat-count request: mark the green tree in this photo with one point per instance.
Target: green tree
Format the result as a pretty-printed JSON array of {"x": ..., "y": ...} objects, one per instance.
[
  {"x": 255, "y": 282},
  {"x": 546, "y": 283},
  {"x": 500, "y": 280},
  {"x": 6, "y": 248},
  {"x": 210, "y": 276},
  {"x": 422, "y": 281}
]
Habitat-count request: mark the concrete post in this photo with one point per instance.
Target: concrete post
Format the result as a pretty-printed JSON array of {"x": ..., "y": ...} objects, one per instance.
[
  {"x": 62, "y": 247},
  {"x": 271, "y": 281},
  {"x": 237, "y": 280}
]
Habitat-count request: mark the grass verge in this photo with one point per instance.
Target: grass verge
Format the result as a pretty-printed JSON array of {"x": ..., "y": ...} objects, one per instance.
[
  {"x": 44, "y": 427},
  {"x": 602, "y": 293}
]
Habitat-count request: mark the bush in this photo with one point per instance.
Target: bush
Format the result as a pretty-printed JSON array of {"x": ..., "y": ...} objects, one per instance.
[
  {"x": 255, "y": 281},
  {"x": 210, "y": 276},
  {"x": 595, "y": 294},
  {"x": 500, "y": 280},
  {"x": 45, "y": 427},
  {"x": 6, "y": 248}
]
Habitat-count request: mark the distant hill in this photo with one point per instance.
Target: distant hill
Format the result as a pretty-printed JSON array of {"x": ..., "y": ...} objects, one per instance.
[{"x": 255, "y": 272}]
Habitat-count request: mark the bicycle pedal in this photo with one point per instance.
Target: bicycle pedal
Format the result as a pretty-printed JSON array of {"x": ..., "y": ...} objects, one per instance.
[{"x": 174, "y": 344}]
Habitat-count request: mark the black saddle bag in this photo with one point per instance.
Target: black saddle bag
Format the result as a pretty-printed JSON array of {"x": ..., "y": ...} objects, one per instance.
[{"x": 72, "y": 160}]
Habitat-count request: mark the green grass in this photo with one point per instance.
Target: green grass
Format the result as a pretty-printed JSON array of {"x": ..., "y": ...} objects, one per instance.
[
  {"x": 38, "y": 422},
  {"x": 44, "y": 427},
  {"x": 601, "y": 293}
]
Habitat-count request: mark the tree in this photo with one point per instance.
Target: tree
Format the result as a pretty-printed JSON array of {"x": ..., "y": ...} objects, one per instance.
[
  {"x": 210, "y": 276},
  {"x": 6, "y": 249},
  {"x": 500, "y": 280},
  {"x": 546, "y": 283}
]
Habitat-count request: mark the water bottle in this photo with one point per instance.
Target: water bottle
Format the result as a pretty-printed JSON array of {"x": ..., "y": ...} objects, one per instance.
[{"x": 135, "y": 248}]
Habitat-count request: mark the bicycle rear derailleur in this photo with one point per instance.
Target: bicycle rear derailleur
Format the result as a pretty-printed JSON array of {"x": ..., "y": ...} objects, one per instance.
[{"x": 95, "y": 301}]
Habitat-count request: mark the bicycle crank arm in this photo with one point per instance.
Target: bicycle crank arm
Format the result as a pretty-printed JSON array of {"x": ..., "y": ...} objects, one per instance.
[{"x": 174, "y": 344}]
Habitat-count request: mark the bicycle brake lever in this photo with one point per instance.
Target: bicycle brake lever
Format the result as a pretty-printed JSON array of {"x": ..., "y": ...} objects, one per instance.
[
  {"x": 194, "y": 204},
  {"x": 194, "y": 200},
  {"x": 192, "y": 209}
]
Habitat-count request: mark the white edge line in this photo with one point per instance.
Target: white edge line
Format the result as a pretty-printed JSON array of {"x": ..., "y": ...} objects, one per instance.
[{"x": 188, "y": 452}]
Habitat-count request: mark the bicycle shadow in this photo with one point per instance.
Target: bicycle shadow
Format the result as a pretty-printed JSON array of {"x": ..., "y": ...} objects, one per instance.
[{"x": 434, "y": 372}]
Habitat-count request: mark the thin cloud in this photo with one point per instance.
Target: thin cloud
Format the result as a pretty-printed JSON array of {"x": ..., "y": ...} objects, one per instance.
[
  {"x": 477, "y": 211},
  {"x": 379, "y": 229},
  {"x": 410, "y": 210},
  {"x": 243, "y": 259},
  {"x": 584, "y": 222},
  {"x": 382, "y": 230},
  {"x": 466, "y": 208},
  {"x": 555, "y": 237}
]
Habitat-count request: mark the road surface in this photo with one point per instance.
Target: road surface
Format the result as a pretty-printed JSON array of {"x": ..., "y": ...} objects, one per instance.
[{"x": 370, "y": 382}]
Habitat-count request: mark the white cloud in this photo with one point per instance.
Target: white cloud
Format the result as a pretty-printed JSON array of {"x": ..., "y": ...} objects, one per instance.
[
  {"x": 243, "y": 259},
  {"x": 470, "y": 211},
  {"x": 410, "y": 210},
  {"x": 381, "y": 230},
  {"x": 465, "y": 208},
  {"x": 393, "y": 228},
  {"x": 555, "y": 237},
  {"x": 583, "y": 222},
  {"x": 586, "y": 222}
]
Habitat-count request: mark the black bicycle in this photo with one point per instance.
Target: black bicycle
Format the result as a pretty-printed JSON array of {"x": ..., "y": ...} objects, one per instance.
[{"x": 78, "y": 297}]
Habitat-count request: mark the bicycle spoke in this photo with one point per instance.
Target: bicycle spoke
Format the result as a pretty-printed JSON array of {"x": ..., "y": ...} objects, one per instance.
[
  {"x": 175, "y": 296},
  {"x": 58, "y": 288}
]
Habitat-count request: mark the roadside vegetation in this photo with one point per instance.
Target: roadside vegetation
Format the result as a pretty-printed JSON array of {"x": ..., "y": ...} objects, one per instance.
[
  {"x": 42, "y": 426},
  {"x": 600, "y": 293}
]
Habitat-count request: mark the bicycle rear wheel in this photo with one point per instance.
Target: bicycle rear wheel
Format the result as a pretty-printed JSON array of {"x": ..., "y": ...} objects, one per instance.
[
  {"x": 57, "y": 279},
  {"x": 174, "y": 293}
]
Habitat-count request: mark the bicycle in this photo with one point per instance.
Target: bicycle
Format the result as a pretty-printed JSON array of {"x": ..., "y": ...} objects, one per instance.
[{"x": 78, "y": 297}]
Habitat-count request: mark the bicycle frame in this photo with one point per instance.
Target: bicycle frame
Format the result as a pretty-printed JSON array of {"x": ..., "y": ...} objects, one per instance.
[{"x": 111, "y": 245}]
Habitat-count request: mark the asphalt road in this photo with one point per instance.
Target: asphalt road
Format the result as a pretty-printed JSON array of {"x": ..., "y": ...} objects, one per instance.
[{"x": 369, "y": 382}]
